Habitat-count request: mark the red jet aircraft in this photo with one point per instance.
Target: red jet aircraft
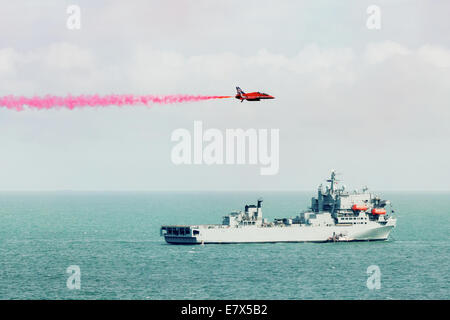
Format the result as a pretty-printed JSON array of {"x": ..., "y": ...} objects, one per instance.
[{"x": 251, "y": 96}]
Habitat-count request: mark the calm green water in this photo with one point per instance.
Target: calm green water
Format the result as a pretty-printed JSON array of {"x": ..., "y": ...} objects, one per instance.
[{"x": 114, "y": 239}]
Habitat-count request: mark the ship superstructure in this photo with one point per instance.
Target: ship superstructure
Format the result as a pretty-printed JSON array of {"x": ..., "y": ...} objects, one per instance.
[{"x": 334, "y": 215}]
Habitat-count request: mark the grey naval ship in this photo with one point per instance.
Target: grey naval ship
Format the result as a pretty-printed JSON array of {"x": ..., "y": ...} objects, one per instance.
[{"x": 334, "y": 215}]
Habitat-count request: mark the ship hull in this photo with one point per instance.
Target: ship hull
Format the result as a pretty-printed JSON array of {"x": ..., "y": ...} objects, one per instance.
[{"x": 294, "y": 233}]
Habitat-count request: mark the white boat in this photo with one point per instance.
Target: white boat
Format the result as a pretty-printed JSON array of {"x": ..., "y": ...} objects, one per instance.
[{"x": 335, "y": 215}]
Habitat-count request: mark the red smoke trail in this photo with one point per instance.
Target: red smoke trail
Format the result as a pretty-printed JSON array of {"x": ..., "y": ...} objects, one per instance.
[{"x": 73, "y": 102}]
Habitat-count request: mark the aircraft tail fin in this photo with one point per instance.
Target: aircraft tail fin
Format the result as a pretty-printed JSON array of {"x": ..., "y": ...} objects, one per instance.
[{"x": 239, "y": 90}]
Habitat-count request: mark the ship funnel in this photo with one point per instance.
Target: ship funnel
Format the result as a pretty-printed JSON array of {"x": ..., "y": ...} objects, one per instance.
[{"x": 259, "y": 210}]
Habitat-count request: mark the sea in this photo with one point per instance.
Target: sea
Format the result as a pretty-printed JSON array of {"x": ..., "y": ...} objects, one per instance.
[{"x": 113, "y": 240}]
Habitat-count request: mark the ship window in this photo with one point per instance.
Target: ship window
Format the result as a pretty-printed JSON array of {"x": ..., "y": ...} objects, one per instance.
[
  {"x": 182, "y": 231},
  {"x": 187, "y": 231},
  {"x": 195, "y": 232}
]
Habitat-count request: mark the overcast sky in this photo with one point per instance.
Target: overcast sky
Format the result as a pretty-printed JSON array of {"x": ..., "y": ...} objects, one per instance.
[{"x": 372, "y": 104}]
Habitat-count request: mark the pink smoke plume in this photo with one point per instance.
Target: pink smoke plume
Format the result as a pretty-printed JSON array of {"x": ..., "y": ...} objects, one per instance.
[{"x": 73, "y": 102}]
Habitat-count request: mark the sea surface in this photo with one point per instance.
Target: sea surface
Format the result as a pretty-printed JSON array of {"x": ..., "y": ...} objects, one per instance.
[{"x": 114, "y": 239}]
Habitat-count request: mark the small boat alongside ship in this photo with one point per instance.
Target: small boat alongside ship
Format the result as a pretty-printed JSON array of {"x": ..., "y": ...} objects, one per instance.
[{"x": 335, "y": 215}]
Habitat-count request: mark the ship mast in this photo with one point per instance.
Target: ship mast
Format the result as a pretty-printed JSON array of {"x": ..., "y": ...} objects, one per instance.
[{"x": 332, "y": 181}]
